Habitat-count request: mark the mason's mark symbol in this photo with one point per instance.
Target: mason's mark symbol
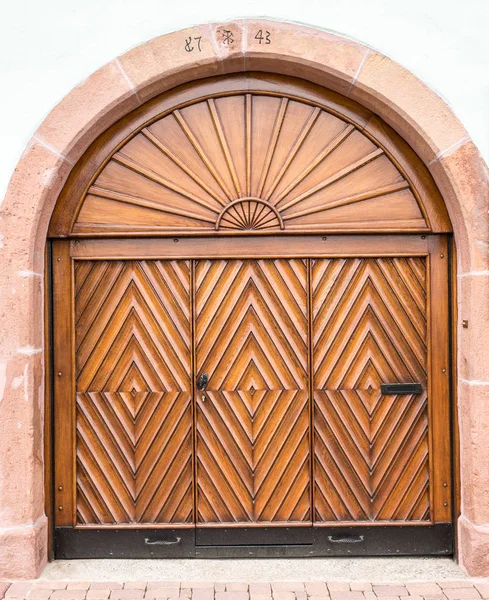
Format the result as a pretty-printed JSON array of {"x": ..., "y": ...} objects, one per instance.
[{"x": 227, "y": 37}]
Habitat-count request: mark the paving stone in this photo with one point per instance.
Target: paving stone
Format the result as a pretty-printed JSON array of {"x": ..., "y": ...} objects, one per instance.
[
  {"x": 301, "y": 596},
  {"x": 219, "y": 586},
  {"x": 260, "y": 588},
  {"x": 106, "y": 585},
  {"x": 319, "y": 597},
  {"x": 411, "y": 598},
  {"x": 194, "y": 585},
  {"x": 68, "y": 595},
  {"x": 163, "y": 592},
  {"x": 369, "y": 596},
  {"x": 136, "y": 585},
  {"x": 316, "y": 588},
  {"x": 287, "y": 586},
  {"x": 483, "y": 589},
  {"x": 455, "y": 584},
  {"x": 461, "y": 593},
  {"x": 98, "y": 594},
  {"x": 203, "y": 594},
  {"x": 39, "y": 594},
  {"x": 42, "y": 584},
  {"x": 174, "y": 585},
  {"x": 232, "y": 595},
  {"x": 236, "y": 587},
  {"x": 126, "y": 594},
  {"x": 423, "y": 589},
  {"x": 344, "y": 595},
  {"x": 338, "y": 586},
  {"x": 283, "y": 595},
  {"x": 390, "y": 590},
  {"x": 78, "y": 585},
  {"x": 360, "y": 586},
  {"x": 18, "y": 590},
  {"x": 261, "y": 596}
]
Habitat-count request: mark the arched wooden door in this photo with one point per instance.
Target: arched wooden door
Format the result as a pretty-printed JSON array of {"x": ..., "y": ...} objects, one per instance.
[{"x": 250, "y": 332}]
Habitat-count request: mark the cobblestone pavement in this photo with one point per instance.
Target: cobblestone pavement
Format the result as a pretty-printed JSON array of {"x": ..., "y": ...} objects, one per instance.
[{"x": 317, "y": 590}]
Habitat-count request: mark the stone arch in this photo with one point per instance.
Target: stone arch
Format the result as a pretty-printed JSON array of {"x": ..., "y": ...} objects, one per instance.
[{"x": 334, "y": 62}]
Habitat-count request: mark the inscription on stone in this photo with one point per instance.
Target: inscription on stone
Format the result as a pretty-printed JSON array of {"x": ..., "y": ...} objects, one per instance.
[
  {"x": 265, "y": 39},
  {"x": 193, "y": 43},
  {"x": 227, "y": 37}
]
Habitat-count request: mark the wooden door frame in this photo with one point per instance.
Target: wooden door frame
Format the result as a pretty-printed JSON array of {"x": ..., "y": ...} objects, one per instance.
[{"x": 59, "y": 370}]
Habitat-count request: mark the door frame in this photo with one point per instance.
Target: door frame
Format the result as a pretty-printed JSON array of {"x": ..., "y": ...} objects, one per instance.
[{"x": 417, "y": 539}]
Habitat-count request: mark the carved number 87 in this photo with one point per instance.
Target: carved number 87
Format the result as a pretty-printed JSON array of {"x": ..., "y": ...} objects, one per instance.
[{"x": 259, "y": 36}]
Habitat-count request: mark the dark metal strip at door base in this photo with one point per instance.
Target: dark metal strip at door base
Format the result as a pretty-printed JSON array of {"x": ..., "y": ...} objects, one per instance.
[
  {"x": 123, "y": 543},
  {"x": 375, "y": 540}
]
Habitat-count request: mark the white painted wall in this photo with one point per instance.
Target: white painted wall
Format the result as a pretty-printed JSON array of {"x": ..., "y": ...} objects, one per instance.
[{"x": 48, "y": 46}]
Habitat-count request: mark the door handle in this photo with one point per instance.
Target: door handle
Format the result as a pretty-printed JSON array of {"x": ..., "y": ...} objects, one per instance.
[
  {"x": 345, "y": 539},
  {"x": 388, "y": 389},
  {"x": 162, "y": 542},
  {"x": 202, "y": 382}
]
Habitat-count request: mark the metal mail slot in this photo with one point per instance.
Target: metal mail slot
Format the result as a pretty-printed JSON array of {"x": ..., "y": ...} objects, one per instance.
[{"x": 401, "y": 388}]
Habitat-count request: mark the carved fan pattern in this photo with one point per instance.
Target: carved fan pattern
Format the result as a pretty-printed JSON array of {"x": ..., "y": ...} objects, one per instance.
[{"x": 249, "y": 162}]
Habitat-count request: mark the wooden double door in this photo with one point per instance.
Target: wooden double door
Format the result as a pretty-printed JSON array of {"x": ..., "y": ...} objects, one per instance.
[{"x": 244, "y": 403}]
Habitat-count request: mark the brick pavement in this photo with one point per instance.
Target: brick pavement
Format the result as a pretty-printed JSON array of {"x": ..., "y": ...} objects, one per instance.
[{"x": 203, "y": 590}]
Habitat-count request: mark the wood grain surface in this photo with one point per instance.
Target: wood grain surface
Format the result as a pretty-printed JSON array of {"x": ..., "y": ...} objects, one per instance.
[
  {"x": 133, "y": 402},
  {"x": 253, "y": 431},
  {"x": 295, "y": 351},
  {"x": 371, "y": 450}
]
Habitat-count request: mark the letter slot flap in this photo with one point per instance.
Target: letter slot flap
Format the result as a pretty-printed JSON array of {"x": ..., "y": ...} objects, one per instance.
[{"x": 388, "y": 389}]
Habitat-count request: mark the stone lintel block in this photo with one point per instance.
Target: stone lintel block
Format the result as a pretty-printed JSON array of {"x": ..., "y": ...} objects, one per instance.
[
  {"x": 172, "y": 59},
  {"x": 417, "y": 113},
  {"x": 324, "y": 58},
  {"x": 90, "y": 108},
  {"x": 463, "y": 179}
]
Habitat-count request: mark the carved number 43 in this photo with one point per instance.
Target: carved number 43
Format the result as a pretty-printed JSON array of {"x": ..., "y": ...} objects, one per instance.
[{"x": 260, "y": 37}]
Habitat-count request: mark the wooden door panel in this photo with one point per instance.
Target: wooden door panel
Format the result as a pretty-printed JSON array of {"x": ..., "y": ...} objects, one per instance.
[
  {"x": 225, "y": 458},
  {"x": 369, "y": 322},
  {"x": 253, "y": 456},
  {"x": 251, "y": 322},
  {"x": 371, "y": 457},
  {"x": 253, "y": 436},
  {"x": 371, "y": 450},
  {"x": 133, "y": 403}
]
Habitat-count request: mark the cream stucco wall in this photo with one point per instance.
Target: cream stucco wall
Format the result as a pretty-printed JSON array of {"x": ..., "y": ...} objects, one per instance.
[{"x": 48, "y": 47}]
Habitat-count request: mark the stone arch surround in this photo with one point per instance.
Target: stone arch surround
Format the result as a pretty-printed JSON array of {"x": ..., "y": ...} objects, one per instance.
[{"x": 330, "y": 60}]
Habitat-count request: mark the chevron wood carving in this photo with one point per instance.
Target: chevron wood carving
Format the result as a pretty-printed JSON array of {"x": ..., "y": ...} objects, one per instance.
[
  {"x": 369, "y": 322},
  {"x": 253, "y": 441},
  {"x": 250, "y": 162},
  {"x": 134, "y": 414},
  {"x": 253, "y": 457},
  {"x": 252, "y": 324},
  {"x": 371, "y": 451}
]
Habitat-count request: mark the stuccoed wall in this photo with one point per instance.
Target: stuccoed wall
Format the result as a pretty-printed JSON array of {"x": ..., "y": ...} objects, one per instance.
[{"x": 48, "y": 47}]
